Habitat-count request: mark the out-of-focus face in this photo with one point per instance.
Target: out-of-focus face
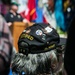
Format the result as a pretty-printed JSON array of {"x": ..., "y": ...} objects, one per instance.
[
  {"x": 51, "y": 4},
  {"x": 14, "y": 8}
]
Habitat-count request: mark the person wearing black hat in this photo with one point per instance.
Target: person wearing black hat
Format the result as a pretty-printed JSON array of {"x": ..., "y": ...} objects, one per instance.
[
  {"x": 37, "y": 51},
  {"x": 12, "y": 15}
]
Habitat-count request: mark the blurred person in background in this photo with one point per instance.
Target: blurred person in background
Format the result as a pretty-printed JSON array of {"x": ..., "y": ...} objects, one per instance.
[
  {"x": 5, "y": 45},
  {"x": 49, "y": 14},
  {"x": 4, "y": 7},
  {"x": 13, "y": 16},
  {"x": 69, "y": 50},
  {"x": 69, "y": 11},
  {"x": 53, "y": 13}
]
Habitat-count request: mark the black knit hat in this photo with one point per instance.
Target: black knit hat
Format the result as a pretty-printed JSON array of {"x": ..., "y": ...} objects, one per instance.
[{"x": 40, "y": 37}]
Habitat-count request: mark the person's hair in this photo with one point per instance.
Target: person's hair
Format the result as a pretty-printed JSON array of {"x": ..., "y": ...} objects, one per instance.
[
  {"x": 33, "y": 64},
  {"x": 7, "y": 2}
]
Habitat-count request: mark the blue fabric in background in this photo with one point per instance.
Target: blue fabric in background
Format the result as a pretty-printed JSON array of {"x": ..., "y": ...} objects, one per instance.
[
  {"x": 59, "y": 14},
  {"x": 39, "y": 13}
]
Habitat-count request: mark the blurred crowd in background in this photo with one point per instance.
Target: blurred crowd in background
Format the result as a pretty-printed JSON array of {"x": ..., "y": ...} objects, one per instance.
[{"x": 58, "y": 13}]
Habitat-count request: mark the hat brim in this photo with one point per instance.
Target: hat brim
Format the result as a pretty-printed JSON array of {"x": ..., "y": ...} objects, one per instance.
[{"x": 14, "y": 3}]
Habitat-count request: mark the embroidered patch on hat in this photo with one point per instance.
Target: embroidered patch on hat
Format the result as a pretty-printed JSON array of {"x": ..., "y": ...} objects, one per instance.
[
  {"x": 44, "y": 37},
  {"x": 27, "y": 31},
  {"x": 39, "y": 32},
  {"x": 48, "y": 29}
]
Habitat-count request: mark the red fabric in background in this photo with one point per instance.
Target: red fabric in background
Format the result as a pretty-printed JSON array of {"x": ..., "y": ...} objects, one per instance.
[{"x": 30, "y": 13}]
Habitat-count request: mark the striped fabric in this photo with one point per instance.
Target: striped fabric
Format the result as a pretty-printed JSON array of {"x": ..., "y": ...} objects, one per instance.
[{"x": 5, "y": 41}]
